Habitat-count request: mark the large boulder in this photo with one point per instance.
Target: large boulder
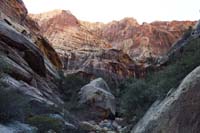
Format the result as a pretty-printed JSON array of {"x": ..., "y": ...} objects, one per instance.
[
  {"x": 178, "y": 112},
  {"x": 32, "y": 54},
  {"x": 98, "y": 96}
]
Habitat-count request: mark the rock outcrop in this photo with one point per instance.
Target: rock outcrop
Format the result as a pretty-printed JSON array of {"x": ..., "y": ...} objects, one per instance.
[
  {"x": 178, "y": 112},
  {"x": 64, "y": 30},
  {"x": 110, "y": 64},
  {"x": 15, "y": 15},
  {"x": 25, "y": 55},
  {"x": 98, "y": 96},
  {"x": 177, "y": 48},
  {"x": 24, "y": 64}
]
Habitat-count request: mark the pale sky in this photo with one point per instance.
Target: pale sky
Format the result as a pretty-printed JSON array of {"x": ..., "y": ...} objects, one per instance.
[{"x": 108, "y": 10}]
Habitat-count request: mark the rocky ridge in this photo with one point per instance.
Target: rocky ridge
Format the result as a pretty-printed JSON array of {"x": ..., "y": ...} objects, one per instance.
[
  {"x": 64, "y": 30},
  {"x": 137, "y": 40},
  {"x": 140, "y": 41}
]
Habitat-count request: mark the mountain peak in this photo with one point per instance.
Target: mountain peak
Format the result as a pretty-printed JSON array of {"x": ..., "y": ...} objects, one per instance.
[{"x": 62, "y": 17}]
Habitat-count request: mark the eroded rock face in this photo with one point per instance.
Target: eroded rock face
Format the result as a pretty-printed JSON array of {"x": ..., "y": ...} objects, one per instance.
[
  {"x": 14, "y": 13},
  {"x": 110, "y": 64},
  {"x": 24, "y": 64},
  {"x": 64, "y": 30},
  {"x": 177, "y": 113},
  {"x": 82, "y": 50},
  {"x": 25, "y": 56},
  {"x": 32, "y": 54},
  {"x": 149, "y": 39}
]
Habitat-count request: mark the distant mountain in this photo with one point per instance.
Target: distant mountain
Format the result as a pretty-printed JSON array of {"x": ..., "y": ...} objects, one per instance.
[{"x": 148, "y": 39}]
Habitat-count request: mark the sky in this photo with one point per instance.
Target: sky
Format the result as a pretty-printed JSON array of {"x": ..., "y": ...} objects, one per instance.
[{"x": 108, "y": 10}]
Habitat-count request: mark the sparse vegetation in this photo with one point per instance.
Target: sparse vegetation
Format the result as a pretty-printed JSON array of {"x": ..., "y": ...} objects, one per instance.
[
  {"x": 45, "y": 123},
  {"x": 70, "y": 87},
  {"x": 138, "y": 94},
  {"x": 4, "y": 66}
]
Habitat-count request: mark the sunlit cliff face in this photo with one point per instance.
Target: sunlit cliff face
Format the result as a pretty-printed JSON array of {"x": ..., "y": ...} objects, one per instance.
[{"x": 138, "y": 40}]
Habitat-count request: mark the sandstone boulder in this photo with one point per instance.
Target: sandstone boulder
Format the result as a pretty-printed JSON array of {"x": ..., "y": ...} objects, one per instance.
[{"x": 97, "y": 95}]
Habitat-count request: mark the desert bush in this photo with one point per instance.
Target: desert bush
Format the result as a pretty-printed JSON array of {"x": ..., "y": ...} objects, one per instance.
[
  {"x": 44, "y": 123},
  {"x": 136, "y": 98},
  {"x": 70, "y": 86}
]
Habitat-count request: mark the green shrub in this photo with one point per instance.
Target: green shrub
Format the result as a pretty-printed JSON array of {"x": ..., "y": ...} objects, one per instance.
[
  {"x": 70, "y": 87},
  {"x": 136, "y": 98},
  {"x": 138, "y": 94},
  {"x": 45, "y": 123},
  {"x": 4, "y": 66}
]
